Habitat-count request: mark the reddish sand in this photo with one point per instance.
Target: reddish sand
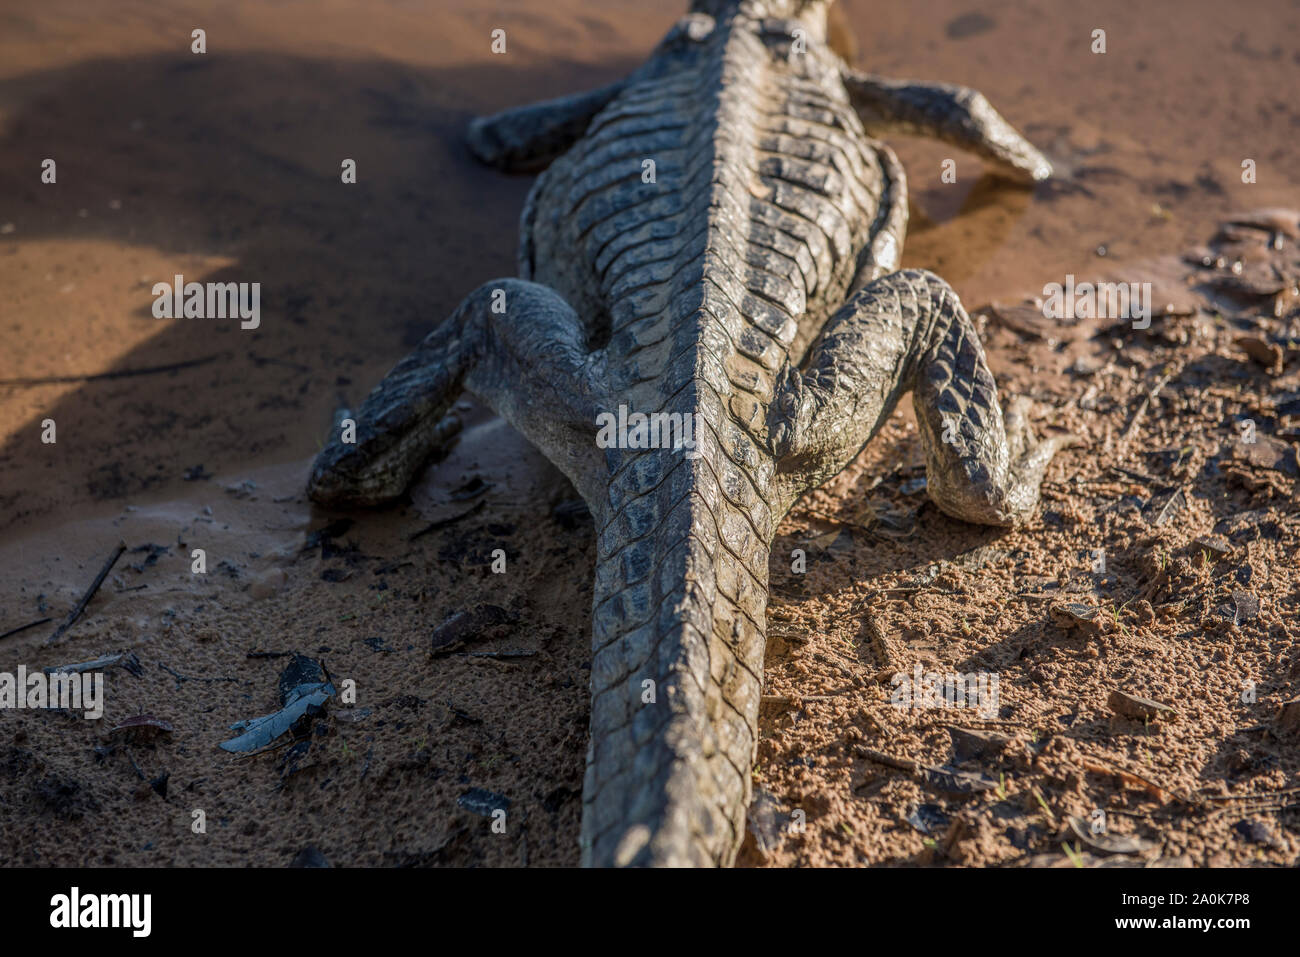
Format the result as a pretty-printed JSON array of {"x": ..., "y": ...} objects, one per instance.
[{"x": 225, "y": 167}]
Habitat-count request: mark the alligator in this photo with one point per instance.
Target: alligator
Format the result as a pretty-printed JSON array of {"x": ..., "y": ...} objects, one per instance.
[{"x": 717, "y": 235}]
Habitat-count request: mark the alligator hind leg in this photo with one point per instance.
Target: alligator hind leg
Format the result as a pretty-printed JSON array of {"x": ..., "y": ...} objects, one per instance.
[
  {"x": 907, "y": 331},
  {"x": 955, "y": 114},
  {"x": 517, "y": 346}
]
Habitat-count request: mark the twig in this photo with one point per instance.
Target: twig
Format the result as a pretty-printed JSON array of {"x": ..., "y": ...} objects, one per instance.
[
  {"x": 1138, "y": 415},
  {"x": 1156, "y": 790},
  {"x": 879, "y": 757},
  {"x": 911, "y": 590},
  {"x": 181, "y": 679},
  {"x": 130, "y": 757},
  {"x": 126, "y": 660},
  {"x": 30, "y": 624},
  {"x": 90, "y": 593},
  {"x": 443, "y": 522},
  {"x": 1251, "y": 797},
  {"x": 260, "y": 361},
  {"x": 118, "y": 374},
  {"x": 975, "y": 719},
  {"x": 875, "y": 722},
  {"x": 1150, "y": 817},
  {"x": 1253, "y": 809},
  {"x": 845, "y": 522},
  {"x": 1142, "y": 477},
  {"x": 797, "y": 699}
]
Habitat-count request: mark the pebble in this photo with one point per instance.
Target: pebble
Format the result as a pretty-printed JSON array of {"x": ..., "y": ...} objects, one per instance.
[{"x": 269, "y": 583}]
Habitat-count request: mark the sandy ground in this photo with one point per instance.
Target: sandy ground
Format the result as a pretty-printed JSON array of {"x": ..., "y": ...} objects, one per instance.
[{"x": 225, "y": 167}]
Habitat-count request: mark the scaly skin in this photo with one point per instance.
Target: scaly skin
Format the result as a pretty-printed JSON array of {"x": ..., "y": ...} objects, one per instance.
[{"x": 751, "y": 283}]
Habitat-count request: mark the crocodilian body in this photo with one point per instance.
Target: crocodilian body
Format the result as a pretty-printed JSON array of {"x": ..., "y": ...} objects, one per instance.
[{"x": 716, "y": 235}]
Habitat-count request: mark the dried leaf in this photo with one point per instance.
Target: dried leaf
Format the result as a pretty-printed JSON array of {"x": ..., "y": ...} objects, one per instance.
[
  {"x": 260, "y": 732},
  {"x": 142, "y": 727}
]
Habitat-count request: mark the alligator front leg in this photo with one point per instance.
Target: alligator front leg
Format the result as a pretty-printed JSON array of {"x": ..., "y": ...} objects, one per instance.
[
  {"x": 515, "y": 345},
  {"x": 955, "y": 114},
  {"x": 908, "y": 331},
  {"x": 527, "y": 139}
]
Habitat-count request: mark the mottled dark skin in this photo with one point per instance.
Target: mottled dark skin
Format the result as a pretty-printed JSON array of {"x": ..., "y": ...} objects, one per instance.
[{"x": 753, "y": 282}]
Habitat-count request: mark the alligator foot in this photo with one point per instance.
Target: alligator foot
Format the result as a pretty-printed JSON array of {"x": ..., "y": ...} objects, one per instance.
[
  {"x": 526, "y": 139},
  {"x": 908, "y": 331},
  {"x": 515, "y": 345},
  {"x": 955, "y": 114}
]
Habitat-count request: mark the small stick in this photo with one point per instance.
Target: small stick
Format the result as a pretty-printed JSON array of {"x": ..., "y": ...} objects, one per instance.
[
  {"x": 791, "y": 700},
  {"x": 1142, "y": 477},
  {"x": 844, "y": 522},
  {"x": 975, "y": 719},
  {"x": 181, "y": 679},
  {"x": 875, "y": 722},
  {"x": 1150, "y": 397},
  {"x": 444, "y": 522},
  {"x": 118, "y": 374},
  {"x": 90, "y": 593},
  {"x": 122, "y": 659},
  {"x": 889, "y": 761},
  {"x": 1250, "y": 797},
  {"x": 1157, "y": 790},
  {"x": 130, "y": 757},
  {"x": 30, "y": 624},
  {"x": 912, "y": 590},
  {"x": 1252, "y": 809}
]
